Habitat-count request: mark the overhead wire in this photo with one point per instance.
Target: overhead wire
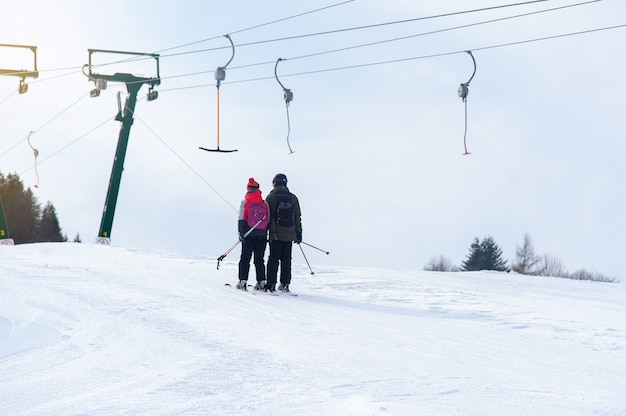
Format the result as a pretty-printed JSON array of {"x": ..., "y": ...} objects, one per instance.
[
  {"x": 435, "y": 55},
  {"x": 380, "y": 63},
  {"x": 369, "y": 44},
  {"x": 51, "y": 155},
  {"x": 387, "y": 40},
  {"x": 79, "y": 68},
  {"x": 432, "y": 32},
  {"x": 395, "y": 22},
  {"x": 8, "y": 96},
  {"x": 138, "y": 58},
  {"x": 563, "y": 35},
  {"x": 544, "y": 38},
  {"x": 195, "y": 172},
  {"x": 259, "y": 25},
  {"x": 44, "y": 124},
  {"x": 332, "y": 32},
  {"x": 36, "y": 152},
  {"x": 321, "y": 70},
  {"x": 328, "y": 32}
]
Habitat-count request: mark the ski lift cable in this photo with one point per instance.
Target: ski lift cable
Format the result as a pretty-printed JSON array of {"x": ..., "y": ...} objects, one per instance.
[
  {"x": 234, "y": 32},
  {"x": 390, "y": 40},
  {"x": 62, "y": 111},
  {"x": 288, "y": 97},
  {"x": 328, "y": 32},
  {"x": 293, "y": 17},
  {"x": 342, "y": 49},
  {"x": 426, "y": 33},
  {"x": 195, "y": 172},
  {"x": 8, "y": 96},
  {"x": 73, "y": 142},
  {"x": 44, "y": 125},
  {"x": 402, "y": 37},
  {"x": 324, "y": 32},
  {"x": 73, "y": 70},
  {"x": 437, "y": 55},
  {"x": 391, "y": 61}
]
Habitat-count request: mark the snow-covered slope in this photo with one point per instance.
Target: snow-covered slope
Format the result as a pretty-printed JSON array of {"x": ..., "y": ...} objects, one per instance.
[{"x": 92, "y": 330}]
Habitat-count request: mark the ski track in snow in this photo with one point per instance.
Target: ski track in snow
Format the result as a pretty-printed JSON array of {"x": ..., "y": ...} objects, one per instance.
[{"x": 91, "y": 330}]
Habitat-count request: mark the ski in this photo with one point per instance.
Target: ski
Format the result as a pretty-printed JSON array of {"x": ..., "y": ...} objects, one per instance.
[{"x": 253, "y": 291}]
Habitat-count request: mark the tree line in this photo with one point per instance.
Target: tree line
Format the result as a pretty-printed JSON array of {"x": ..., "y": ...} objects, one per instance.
[
  {"x": 485, "y": 254},
  {"x": 26, "y": 220}
]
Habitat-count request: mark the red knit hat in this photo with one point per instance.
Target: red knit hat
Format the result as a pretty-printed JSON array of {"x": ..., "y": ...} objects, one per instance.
[{"x": 252, "y": 185}]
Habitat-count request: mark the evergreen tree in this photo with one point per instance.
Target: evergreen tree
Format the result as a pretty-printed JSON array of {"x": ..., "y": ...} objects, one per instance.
[
  {"x": 20, "y": 208},
  {"x": 484, "y": 255},
  {"x": 474, "y": 259},
  {"x": 26, "y": 222},
  {"x": 48, "y": 227}
]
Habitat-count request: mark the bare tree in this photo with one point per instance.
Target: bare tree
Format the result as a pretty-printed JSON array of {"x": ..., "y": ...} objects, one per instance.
[
  {"x": 584, "y": 274},
  {"x": 526, "y": 259},
  {"x": 440, "y": 264},
  {"x": 551, "y": 266}
]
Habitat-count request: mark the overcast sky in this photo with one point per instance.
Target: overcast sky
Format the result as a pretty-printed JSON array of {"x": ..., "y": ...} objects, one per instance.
[{"x": 378, "y": 130}]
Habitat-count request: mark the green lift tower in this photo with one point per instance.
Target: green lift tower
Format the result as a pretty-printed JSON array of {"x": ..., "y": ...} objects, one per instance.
[
  {"x": 125, "y": 115},
  {"x": 5, "y": 239}
]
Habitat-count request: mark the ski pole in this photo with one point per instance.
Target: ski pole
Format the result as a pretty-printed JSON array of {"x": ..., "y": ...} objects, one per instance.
[
  {"x": 317, "y": 248},
  {"x": 305, "y": 259},
  {"x": 227, "y": 252}
]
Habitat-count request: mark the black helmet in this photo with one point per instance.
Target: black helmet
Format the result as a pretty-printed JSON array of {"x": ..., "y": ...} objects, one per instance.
[{"x": 279, "y": 179}]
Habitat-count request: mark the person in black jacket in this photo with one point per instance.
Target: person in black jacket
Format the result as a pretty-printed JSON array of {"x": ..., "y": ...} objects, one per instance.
[{"x": 285, "y": 227}]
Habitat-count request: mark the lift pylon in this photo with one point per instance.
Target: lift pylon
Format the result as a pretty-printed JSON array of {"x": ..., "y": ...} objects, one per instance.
[
  {"x": 22, "y": 73},
  {"x": 5, "y": 239},
  {"x": 133, "y": 85}
]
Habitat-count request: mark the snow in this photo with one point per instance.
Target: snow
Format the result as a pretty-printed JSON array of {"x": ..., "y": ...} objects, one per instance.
[{"x": 94, "y": 330}]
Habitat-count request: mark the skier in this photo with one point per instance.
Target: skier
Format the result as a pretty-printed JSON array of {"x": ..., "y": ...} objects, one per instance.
[
  {"x": 253, "y": 214},
  {"x": 285, "y": 227}
]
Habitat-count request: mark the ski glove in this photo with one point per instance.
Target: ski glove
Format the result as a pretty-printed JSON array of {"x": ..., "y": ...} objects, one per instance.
[
  {"x": 242, "y": 237},
  {"x": 298, "y": 238}
]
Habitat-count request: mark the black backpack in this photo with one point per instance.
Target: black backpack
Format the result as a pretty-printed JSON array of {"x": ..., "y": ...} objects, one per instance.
[{"x": 284, "y": 210}]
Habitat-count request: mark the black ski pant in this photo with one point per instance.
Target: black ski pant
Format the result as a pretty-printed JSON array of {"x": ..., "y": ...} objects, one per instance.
[
  {"x": 248, "y": 248},
  {"x": 280, "y": 253}
]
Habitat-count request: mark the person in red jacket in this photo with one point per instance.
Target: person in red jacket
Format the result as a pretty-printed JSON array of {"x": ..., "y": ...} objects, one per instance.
[{"x": 252, "y": 226}]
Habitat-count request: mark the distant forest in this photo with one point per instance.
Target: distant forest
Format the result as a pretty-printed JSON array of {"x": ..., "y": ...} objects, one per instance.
[
  {"x": 26, "y": 220},
  {"x": 487, "y": 255}
]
